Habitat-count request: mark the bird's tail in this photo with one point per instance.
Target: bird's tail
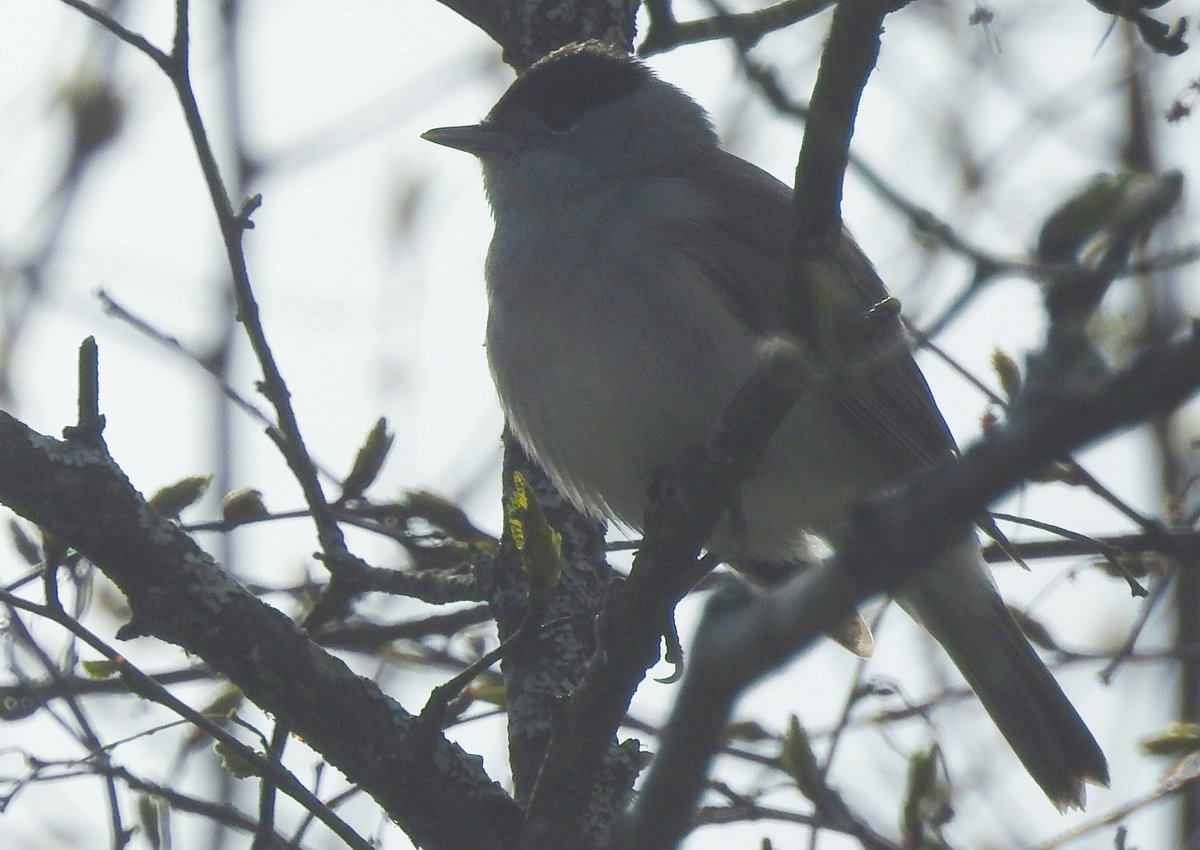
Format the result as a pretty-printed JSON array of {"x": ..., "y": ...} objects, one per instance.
[{"x": 957, "y": 603}]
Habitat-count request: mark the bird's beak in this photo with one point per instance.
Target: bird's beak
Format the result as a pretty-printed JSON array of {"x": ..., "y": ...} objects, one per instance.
[{"x": 479, "y": 139}]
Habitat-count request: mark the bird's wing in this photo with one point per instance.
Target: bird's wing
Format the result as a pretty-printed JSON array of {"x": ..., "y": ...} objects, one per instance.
[{"x": 742, "y": 243}]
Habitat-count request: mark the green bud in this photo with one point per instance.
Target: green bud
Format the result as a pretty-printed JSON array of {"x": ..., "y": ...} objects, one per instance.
[
  {"x": 172, "y": 499},
  {"x": 1008, "y": 372},
  {"x": 233, "y": 761},
  {"x": 242, "y": 505},
  {"x": 1174, "y": 739},
  {"x": 1080, "y": 218},
  {"x": 442, "y": 513},
  {"x": 25, "y": 545},
  {"x": 926, "y": 805},
  {"x": 101, "y": 669},
  {"x": 368, "y": 462},
  {"x": 148, "y": 818},
  {"x": 798, "y": 761}
]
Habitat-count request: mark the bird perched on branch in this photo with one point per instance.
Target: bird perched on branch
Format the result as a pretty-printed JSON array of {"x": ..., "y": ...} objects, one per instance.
[{"x": 635, "y": 270}]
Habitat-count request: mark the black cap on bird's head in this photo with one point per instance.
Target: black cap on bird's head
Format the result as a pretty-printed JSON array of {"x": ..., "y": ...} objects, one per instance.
[
  {"x": 563, "y": 86},
  {"x": 559, "y": 92}
]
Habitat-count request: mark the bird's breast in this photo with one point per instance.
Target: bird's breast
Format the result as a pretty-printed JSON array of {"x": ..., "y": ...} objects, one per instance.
[{"x": 611, "y": 367}]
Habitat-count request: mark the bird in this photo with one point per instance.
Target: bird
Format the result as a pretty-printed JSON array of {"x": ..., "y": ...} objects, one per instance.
[{"x": 635, "y": 270}]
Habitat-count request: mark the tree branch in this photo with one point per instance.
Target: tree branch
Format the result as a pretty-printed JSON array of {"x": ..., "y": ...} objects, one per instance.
[
  {"x": 745, "y": 28},
  {"x": 179, "y": 594},
  {"x": 530, "y": 29},
  {"x": 846, "y": 62},
  {"x": 745, "y": 637}
]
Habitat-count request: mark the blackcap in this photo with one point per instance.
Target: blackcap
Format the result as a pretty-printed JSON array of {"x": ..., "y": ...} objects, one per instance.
[{"x": 635, "y": 270}]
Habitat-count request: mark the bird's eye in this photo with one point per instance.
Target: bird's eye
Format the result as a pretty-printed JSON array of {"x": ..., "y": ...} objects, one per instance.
[{"x": 561, "y": 118}]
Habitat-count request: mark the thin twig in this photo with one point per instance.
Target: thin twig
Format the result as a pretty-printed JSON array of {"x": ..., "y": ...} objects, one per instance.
[
  {"x": 745, "y": 28},
  {"x": 113, "y": 308},
  {"x": 1183, "y": 779},
  {"x": 84, "y": 733},
  {"x": 264, "y": 833},
  {"x": 148, "y": 688},
  {"x": 122, "y": 32}
]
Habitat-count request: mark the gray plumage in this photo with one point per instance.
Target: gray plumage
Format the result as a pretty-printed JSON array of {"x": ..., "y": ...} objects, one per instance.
[{"x": 635, "y": 269}]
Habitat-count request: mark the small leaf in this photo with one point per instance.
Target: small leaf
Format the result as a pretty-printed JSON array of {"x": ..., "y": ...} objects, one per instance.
[
  {"x": 1008, "y": 372},
  {"x": 1037, "y": 633},
  {"x": 798, "y": 761},
  {"x": 101, "y": 669},
  {"x": 148, "y": 818},
  {"x": 97, "y": 113},
  {"x": 442, "y": 513},
  {"x": 25, "y": 545},
  {"x": 368, "y": 462},
  {"x": 494, "y": 694},
  {"x": 1080, "y": 218},
  {"x": 242, "y": 505},
  {"x": 449, "y": 556},
  {"x": 226, "y": 702},
  {"x": 172, "y": 499},
  {"x": 926, "y": 806},
  {"x": 1108, "y": 205},
  {"x": 747, "y": 730},
  {"x": 1174, "y": 739},
  {"x": 233, "y": 761}
]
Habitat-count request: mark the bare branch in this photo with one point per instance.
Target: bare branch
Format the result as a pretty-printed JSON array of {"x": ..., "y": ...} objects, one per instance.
[
  {"x": 745, "y": 637},
  {"x": 745, "y": 28},
  {"x": 122, "y": 32},
  {"x": 178, "y": 594}
]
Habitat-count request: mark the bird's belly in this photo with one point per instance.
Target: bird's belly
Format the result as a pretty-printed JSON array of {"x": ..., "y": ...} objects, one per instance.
[
  {"x": 813, "y": 470},
  {"x": 605, "y": 411}
]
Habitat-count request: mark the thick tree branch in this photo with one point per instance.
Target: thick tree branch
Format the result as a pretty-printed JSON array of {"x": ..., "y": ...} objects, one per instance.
[
  {"x": 745, "y": 637},
  {"x": 846, "y": 61},
  {"x": 539, "y": 673},
  {"x": 435, "y": 791},
  {"x": 152, "y": 689}
]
